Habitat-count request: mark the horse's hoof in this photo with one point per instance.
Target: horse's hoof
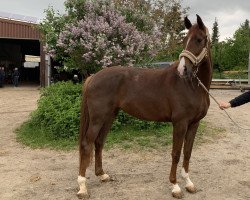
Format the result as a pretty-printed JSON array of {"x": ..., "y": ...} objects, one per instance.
[
  {"x": 191, "y": 189},
  {"x": 105, "y": 178},
  {"x": 178, "y": 195},
  {"x": 82, "y": 195}
]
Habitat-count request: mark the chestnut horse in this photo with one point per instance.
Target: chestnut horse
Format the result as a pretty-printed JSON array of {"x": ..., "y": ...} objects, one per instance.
[{"x": 165, "y": 95}]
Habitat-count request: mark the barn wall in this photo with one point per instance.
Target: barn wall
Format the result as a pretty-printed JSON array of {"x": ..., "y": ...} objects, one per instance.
[{"x": 18, "y": 30}]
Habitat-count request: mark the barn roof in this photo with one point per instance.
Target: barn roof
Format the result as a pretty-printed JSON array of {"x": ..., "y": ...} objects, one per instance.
[{"x": 15, "y": 29}]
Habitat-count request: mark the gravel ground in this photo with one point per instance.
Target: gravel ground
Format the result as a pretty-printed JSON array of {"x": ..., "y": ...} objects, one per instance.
[{"x": 220, "y": 168}]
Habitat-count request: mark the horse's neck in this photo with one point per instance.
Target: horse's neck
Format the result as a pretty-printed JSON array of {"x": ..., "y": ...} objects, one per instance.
[{"x": 205, "y": 73}]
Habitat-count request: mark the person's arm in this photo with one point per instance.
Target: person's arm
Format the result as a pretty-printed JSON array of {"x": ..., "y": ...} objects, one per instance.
[
  {"x": 240, "y": 100},
  {"x": 237, "y": 101}
]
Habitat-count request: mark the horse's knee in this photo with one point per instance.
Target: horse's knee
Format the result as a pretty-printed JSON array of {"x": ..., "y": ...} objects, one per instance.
[{"x": 85, "y": 149}]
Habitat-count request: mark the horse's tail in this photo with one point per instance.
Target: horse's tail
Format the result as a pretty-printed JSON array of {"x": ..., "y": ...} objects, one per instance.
[{"x": 84, "y": 121}]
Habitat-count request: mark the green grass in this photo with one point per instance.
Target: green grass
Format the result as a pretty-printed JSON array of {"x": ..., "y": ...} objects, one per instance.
[
  {"x": 126, "y": 138},
  {"x": 35, "y": 137},
  {"x": 223, "y": 75},
  {"x": 129, "y": 138}
]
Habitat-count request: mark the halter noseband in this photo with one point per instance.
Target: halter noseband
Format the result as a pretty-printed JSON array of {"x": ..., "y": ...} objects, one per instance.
[{"x": 196, "y": 60}]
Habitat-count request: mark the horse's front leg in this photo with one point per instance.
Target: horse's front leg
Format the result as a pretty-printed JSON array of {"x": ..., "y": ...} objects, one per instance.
[
  {"x": 179, "y": 132},
  {"x": 188, "y": 146}
]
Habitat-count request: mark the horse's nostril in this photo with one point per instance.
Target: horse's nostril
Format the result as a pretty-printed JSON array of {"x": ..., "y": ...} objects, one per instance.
[{"x": 185, "y": 68}]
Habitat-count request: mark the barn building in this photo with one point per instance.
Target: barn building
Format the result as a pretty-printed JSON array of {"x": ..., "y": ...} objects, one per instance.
[{"x": 21, "y": 47}]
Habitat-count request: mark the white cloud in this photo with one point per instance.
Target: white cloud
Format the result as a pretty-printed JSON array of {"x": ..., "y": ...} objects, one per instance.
[{"x": 229, "y": 13}]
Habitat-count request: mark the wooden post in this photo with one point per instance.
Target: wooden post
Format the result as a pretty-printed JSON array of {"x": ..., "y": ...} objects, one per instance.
[
  {"x": 47, "y": 70},
  {"x": 249, "y": 69},
  {"x": 42, "y": 66}
]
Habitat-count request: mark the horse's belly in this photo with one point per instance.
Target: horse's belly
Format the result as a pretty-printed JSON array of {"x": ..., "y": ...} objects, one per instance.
[{"x": 147, "y": 112}]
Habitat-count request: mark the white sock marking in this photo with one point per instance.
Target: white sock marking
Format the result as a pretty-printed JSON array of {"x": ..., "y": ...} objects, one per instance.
[
  {"x": 176, "y": 188},
  {"x": 186, "y": 177},
  {"x": 104, "y": 177},
  {"x": 82, "y": 184}
]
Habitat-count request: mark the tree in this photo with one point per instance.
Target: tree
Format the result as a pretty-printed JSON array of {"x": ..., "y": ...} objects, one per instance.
[
  {"x": 215, "y": 34},
  {"x": 94, "y": 34},
  {"x": 168, "y": 15},
  {"x": 235, "y": 51},
  {"x": 242, "y": 45},
  {"x": 215, "y": 46},
  {"x": 99, "y": 33},
  {"x": 165, "y": 15}
]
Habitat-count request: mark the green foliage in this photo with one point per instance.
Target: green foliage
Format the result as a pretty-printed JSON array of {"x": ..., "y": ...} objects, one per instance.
[
  {"x": 215, "y": 45},
  {"x": 233, "y": 53},
  {"x": 37, "y": 137},
  {"x": 230, "y": 74},
  {"x": 215, "y": 34},
  {"x": 170, "y": 15},
  {"x": 58, "y": 111}
]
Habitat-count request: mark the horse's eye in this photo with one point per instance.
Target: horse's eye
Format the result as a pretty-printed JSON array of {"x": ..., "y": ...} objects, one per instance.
[{"x": 199, "y": 40}]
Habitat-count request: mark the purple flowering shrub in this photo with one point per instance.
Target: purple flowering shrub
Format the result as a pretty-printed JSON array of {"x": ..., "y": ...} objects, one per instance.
[{"x": 103, "y": 38}]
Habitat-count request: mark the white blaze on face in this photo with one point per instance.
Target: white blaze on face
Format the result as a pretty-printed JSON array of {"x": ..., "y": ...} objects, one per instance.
[
  {"x": 181, "y": 66},
  {"x": 188, "y": 42}
]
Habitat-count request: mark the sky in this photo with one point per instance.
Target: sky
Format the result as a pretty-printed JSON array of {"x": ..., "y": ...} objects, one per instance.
[{"x": 229, "y": 13}]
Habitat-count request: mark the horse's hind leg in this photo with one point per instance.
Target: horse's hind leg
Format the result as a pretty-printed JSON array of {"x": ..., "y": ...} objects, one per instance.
[
  {"x": 179, "y": 132},
  {"x": 86, "y": 151},
  {"x": 188, "y": 145},
  {"x": 99, "y": 144}
]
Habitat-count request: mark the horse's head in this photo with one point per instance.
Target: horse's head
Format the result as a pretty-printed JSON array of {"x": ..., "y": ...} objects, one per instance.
[{"x": 196, "y": 45}]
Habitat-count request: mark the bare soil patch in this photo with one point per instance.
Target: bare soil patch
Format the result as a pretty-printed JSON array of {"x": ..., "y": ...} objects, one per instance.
[{"x": 220, "y": 169}]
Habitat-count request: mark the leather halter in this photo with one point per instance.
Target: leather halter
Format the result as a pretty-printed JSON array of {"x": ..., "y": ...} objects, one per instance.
[{"x": 196, "y": 60}]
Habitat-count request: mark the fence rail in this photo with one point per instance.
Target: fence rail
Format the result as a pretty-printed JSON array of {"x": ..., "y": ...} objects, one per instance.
[{"x": 230, "y": 84}]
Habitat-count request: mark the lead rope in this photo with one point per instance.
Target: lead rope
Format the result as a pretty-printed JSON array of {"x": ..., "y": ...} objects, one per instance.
[{"x": 204, "y": 87}]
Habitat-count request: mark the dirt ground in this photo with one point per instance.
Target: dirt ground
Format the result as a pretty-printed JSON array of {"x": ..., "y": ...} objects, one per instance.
[{"x": 220, "y": 168}]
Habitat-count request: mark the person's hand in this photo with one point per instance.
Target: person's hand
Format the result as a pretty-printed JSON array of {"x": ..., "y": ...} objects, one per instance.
[{"x": 224, "y": 105}]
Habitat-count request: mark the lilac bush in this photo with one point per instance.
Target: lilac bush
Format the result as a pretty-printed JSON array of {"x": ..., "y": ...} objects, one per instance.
[{"x": 103, "y": 38}]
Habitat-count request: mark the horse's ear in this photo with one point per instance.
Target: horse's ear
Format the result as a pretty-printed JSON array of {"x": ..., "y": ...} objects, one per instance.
[
  {"x": 200, "y": 22},
  {"x": 187, "y": 23}
]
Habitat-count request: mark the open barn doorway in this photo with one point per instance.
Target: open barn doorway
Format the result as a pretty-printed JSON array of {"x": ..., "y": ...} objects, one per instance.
[{"x": 22, "y": 54}]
